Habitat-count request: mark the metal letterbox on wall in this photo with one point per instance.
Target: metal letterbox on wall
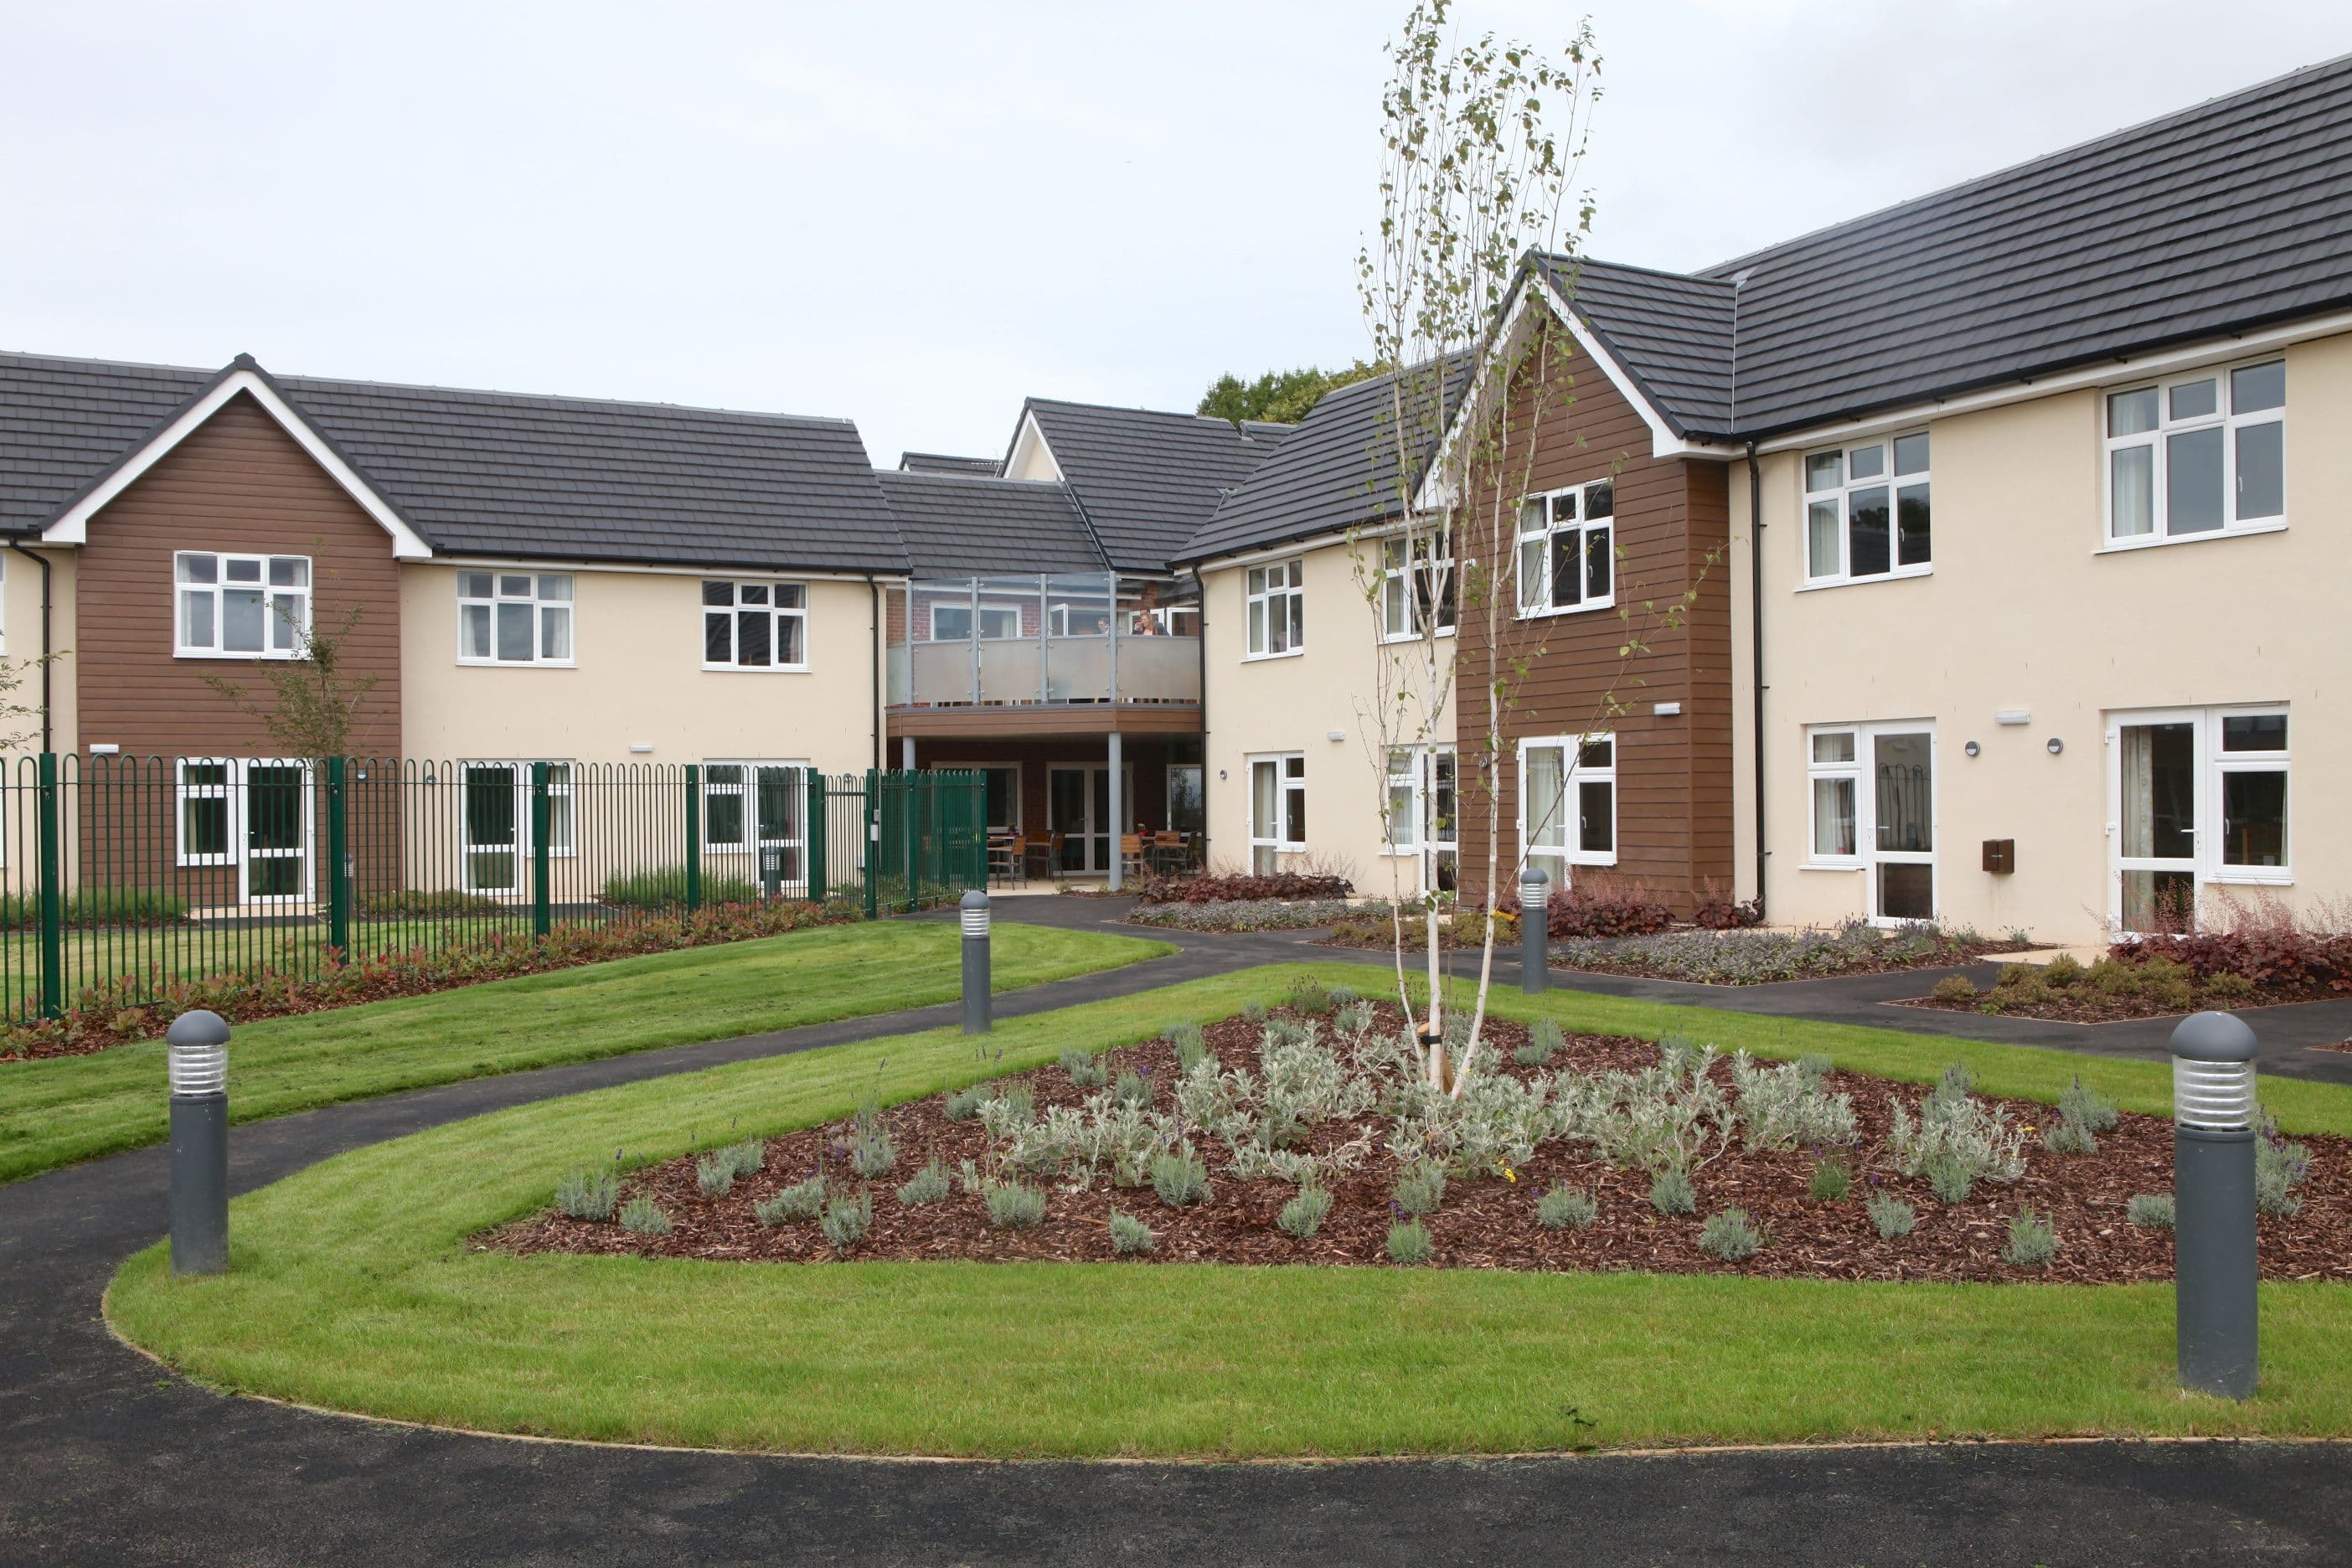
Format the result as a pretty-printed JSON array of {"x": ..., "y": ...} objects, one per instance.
[{"x": 2001, "y": 855}]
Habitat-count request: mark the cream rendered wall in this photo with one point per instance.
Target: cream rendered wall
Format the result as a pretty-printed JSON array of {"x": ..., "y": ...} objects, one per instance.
[
  {"x": 20, "y": 644},
  {"x": 1292, "y": 703},
  {"x": 2023, "y": 610},
  {"x": 638, "y": 641}
]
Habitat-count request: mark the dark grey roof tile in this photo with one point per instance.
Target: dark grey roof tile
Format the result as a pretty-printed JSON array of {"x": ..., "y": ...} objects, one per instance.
[
  {"x": 956, "y": 525},
  {"x": 1146, "y": 480}
]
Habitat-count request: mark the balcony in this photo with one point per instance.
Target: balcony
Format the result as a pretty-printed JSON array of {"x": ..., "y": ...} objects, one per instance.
[{"x": 1102, "y": 651}]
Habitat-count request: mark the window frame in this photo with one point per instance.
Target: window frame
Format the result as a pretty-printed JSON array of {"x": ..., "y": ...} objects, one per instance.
[
  {"x": 1583, "y": 525},
  {"x": 1867, "y": 857},
  {"x": 1260, "y": 595},
  {"x": 307, "y": 590},
  {"x": 747, "y": 789},
  {"x": 2212, "y": 765},
  {"x": 732, "y": 613},
  {"x": 1432, "y": 550},
  {"x": 2158, "y": 440},
  {"x": 540, "y": 604},
  {"x": 1289, "y": 781},
  {"x": 1575, "y": 772},
  {"x": 183, "y": 792},
  {"x": 964, "y": 607},
  {"x": 562, "y": 827},
  {"x": 1887, "y": 479}
]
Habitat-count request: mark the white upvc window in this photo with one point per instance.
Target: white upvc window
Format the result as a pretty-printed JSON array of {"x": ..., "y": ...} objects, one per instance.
[
  {"x": 1277, "y": 820},
  {"x": 2198, "y": 455},
  {"x": 1277, "y": 599},
  {"x": 1872, "y": 807},
  {"x": 1422, "y": 808},
  {"x": 496, "y": 809},
  {"x": 1566, "y": 550},
  {"x": 1414, "y": 600},
  {"x": 240, "y": 606},
  {"x": 752, "y": 807},
  {"x": 1568, "y": 802},
  {"x": 1867, "y": 511},
  {"x": 206, "y": 811},
  {"x": 514, "y": 617},
  {"x": 754, "y": 625},
  {"x": 2200, "y": 797}
]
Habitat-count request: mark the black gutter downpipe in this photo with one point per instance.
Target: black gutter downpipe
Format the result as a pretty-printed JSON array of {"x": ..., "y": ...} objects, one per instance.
[
  {"x": 1756, "y": 649},
  {"x": 873, "y": 600},
  {"x": 43, "y": 562},
  {"x": 1200, "y": 584}
]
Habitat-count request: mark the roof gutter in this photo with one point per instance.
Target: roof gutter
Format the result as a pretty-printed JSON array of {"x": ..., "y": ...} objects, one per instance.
[
  {"x": 1756, "y": 648},
  {"x": 41, "y": 561}
]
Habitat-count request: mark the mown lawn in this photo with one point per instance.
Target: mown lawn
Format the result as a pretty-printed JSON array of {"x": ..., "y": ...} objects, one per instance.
[
  {"x": 61, "y": 1109},
  {"x": 353, "y": 1287}
]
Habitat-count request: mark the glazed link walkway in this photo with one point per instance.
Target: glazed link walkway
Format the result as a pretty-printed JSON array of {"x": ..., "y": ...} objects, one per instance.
[{"x": 106, "y": 1458}]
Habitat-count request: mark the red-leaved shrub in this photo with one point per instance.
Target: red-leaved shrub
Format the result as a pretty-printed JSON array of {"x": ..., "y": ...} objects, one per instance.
[
  {"x": 1719, "y": 911},
  {"x": 1603, "y": 905},
  {"x": 2264, "y": 941},
  {"x": 1217, "y": 887}
]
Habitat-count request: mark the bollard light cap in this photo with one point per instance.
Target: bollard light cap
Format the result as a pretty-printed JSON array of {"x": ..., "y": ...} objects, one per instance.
[
  {"x": 1533, "y": 876},
  {"x": 199, "y": 1028},
  {"x": 973, "y": 899},
  {"x": 2213, "y": 1037}
]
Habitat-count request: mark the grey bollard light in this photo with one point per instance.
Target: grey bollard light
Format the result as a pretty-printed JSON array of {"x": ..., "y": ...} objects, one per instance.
[
  {"x": 1535, "y": 935},
  {"x": 2214, "y": 1264},
  {"x": 974, "y": 909},
  {"x": 197, "y": 1050}
]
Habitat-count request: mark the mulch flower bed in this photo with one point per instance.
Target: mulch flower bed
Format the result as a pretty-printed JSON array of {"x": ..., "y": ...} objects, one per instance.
[
  {"x": 1488, "y": 1221},
  {"x": 2087, "y": 1004},
  {"x": 139, "y": 1008}
]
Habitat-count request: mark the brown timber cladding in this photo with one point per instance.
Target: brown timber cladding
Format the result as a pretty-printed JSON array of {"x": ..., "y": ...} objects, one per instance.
[
  {"x": 239, "y": 483},
  {"x": 1673, "y": 774}
]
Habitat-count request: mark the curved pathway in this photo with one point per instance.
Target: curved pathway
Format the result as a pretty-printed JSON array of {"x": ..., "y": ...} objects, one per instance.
[{"x": 107, "y": 1459}]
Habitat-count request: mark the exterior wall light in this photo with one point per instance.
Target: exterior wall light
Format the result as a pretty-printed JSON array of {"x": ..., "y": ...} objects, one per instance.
[
  {"x": 1972, "y": 749},
  {"x": 2053, "y": 745},
  {"x": 976, "y": 998},
  {"x": 196, "y": 1060}
]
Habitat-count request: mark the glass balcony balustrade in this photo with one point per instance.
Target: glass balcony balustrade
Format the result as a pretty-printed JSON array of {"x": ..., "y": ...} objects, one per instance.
[{"x": 985, "y": 642}]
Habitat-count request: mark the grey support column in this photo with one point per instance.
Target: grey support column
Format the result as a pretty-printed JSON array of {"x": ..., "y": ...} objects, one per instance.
[
  {"x": 1118, "y": 816},
  {"x": 1535, "y": 930},
  {"x": 2215, "y": 1268},
  {"x": 197, "y": 1055},
  {"x": 906, "y": 752},
  {"x": 976, "y": 998}
]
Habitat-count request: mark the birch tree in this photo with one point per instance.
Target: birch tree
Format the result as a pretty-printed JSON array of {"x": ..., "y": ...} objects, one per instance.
[{"x": 1481, "y": 141}]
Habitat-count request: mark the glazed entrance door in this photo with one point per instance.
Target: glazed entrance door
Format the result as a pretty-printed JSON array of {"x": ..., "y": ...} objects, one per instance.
[{"x": 2155, "y": 824}]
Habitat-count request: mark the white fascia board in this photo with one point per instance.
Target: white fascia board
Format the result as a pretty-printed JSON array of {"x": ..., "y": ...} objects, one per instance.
[
  {"x": 73, "y": 528},
  {"x": 1275, "y": 551},
  {"x": 2106, "y": 373}
]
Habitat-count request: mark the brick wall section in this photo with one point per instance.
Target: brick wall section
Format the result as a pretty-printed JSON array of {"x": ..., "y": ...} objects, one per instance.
[
  {"x": 1673, "y": 774},
  {"x": 239, "y": 483}
]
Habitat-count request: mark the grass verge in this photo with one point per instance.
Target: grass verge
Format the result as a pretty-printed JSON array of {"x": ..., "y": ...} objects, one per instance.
[
  {"x": 353, "y": 1286},
  {"x": 58, "y": 1110}
]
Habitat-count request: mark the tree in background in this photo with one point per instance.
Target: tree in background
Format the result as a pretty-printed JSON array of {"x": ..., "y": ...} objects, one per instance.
[
  {"x": 1480, "y": 145},
  {"x": 1279, "y": 396},
  {"x": 314, "y": 702}
]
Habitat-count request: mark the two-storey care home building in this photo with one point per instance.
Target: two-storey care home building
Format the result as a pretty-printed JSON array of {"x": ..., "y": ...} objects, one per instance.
[{"x": 2001, "y": 530}]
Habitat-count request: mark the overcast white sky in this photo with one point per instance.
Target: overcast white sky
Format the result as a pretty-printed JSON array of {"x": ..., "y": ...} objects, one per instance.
[{"x": 915, "y": 215}]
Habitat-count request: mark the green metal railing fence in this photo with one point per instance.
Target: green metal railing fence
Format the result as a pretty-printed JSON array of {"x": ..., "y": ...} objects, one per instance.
[{"x": 119, "y": 875}]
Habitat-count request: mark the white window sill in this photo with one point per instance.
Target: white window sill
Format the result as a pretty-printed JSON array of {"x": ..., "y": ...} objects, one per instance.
[
  {"x": 1263, "y": 658},
  {"x": 755, "y": 669},
  {"x": 517, "y": 663},
  {"x": 1392, "y": 638},
  {"x": 279, "y": 656},
  {"x": 2254, "y": 877},
  {"x": 1526, "y": 614},
  {"x": 1900, "y": 574},
  {"x": 1829, "y": 866},
  {"x": 2159, "y": 541}
]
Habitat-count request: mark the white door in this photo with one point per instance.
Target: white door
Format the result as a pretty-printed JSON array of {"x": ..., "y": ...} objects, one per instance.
[
  {"x": 275, "y": 828},
  {"x": 2157, "y": 759},
  {"x": 1903, "y": 825}
]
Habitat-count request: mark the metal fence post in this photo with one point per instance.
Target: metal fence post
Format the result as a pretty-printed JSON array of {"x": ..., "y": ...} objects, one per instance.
[
  {"x": 976, "y": 998},
  {"x": 1535, "y": 931},
  {"x": 339, "y": 881},
  {"x": 813, "y": 844},
  {"x": 2215, "y": 1269},
  {"x": 693, "y": 836},
  {"x": 53, "y": 945},
  {"x": 542, "y": 900},
  {"x": 874, "y": 844},
  {"x": 197, "y": 1057},
  {"x": 911, "y": 803}
]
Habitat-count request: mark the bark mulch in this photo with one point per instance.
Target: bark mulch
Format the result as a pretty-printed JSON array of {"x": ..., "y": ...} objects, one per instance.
[
  {"x": 1488, "y": 1221},
  {"x": 2081, "y": 1003},
  {"x": 1948, "y": 954}
]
